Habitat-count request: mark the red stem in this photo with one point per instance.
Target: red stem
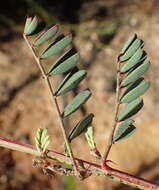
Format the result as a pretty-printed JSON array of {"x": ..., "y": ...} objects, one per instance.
[
  {"x": 16, "y": 142},
  {"x": 128, "y": 177},
  {"x": 103, "y": 170}
]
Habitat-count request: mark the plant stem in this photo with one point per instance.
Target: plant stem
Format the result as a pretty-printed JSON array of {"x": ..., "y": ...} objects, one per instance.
[
  {"x": 110, "y": 140},
  {"x": 47, "y": 80},
  {"x": 15, "y": 145},
  {"x": 95, "y": 169}
]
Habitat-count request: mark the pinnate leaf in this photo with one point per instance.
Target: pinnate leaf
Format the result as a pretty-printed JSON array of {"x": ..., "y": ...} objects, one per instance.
[{"x": 77, "y": 101}]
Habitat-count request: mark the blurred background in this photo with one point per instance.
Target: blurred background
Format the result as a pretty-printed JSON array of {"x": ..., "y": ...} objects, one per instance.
[{"x": 99, "y": 27}]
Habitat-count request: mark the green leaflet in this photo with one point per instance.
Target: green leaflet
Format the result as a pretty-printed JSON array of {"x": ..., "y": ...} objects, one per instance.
[
  {"x": 80, "y": 127},
  {"x": 42, "y": 139},
  {"x": 132, "y": 49},
  {"x": 65, "y": 66},
  {"x": 77, "y": 101},
  {"x": 46, "y": 35},
  {"x": 89, "y": 137},
  {"x": 55, "y": 48},
  {"x": 63, "y": 58},
  {"x": 122, "y": 129},
  {"x": 70, "y": 81},
  {"x": 135, "y": 59},
  {"x": 31, "y": 25},
  {"x": 135, "y": 74},
  {"x": 130, "y": 109},
  {"x": 135, "y": 90},
  {"x": 128, "y": 43},
  {"x": 27, "y": 23},
  {"x": 128, "y": 132},
  {"x": 144, "y": 57}
]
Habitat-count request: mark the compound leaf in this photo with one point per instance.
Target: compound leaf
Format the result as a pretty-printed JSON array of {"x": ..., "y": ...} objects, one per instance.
[
  {"x": 135, "y": 74},
  {"x": 135, "y": 90},
  {"x": 130, "y": 109},
  {"x": 55, "y": 48},
  {"x": 80, "y": 127},
  {"x": 70, "y": 81},
  {"x": 77, "y": 101},
  {"x": 46, "y": 35}
]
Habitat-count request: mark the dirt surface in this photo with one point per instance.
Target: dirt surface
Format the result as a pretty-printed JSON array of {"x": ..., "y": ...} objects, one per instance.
[{"x": 25, "y": 105}]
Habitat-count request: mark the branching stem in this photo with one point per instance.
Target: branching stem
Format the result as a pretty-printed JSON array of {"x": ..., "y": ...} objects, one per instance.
[
  {"x": 47, "y": 80},
  {"x": 110, "y": 140},
  {"x": 94, "y": 169}
]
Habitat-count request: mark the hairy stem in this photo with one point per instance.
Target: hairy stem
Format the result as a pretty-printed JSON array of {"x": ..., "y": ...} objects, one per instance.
[
  {"x": 94, "y": 169},
  {"x": 47, "y": 80},
  {"x": 110, "y": 140}
]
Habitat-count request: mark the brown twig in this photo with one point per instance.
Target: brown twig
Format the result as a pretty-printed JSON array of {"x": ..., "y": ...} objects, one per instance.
[
  {"x": 47, "y": 80},
  {"x": 110, "y": 140}
]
